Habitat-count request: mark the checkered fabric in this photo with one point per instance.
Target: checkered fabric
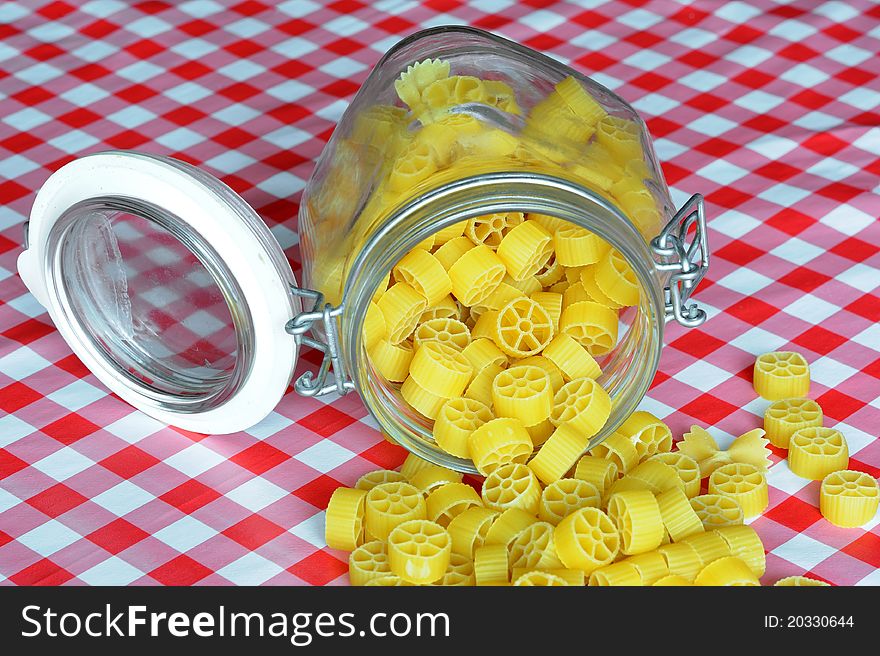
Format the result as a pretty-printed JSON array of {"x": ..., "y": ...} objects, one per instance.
[{"x": 770, "y": 109}]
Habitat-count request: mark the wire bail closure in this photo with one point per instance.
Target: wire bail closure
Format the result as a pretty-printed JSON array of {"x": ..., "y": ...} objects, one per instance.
[
  {"x": 325, "y": 315},
  {"x": 686, "y": 261}
]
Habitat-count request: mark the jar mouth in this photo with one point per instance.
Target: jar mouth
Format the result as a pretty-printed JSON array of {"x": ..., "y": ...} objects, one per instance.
[{"x": 627, "y": 370}]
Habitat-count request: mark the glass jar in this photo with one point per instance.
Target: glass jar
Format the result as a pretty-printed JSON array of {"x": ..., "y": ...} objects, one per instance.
[{"x": 174, "y": 293}]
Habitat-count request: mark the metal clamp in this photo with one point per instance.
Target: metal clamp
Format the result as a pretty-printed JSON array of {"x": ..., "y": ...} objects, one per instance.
[
  {"x": 687, "y": 261},
  {"x": 325, "y": 315}
]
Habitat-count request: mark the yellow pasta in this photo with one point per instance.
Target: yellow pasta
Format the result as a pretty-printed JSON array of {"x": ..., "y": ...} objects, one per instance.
[
  {"x": 456, "y": 420},
  {"x": 391, "y": 504},
  {"x": 583, "y": 405},
  {"x": 616, "y": 279},
  {"x": 816, "y": 452},
  {"x": 419, "y": 551},
  {"x": 576, "y": 246},
  {"x": 500, "y": 94},
  {"x": 556, "y": 380},
  {"x": 781, "y": 375},
  {"x": 782, "y": 418},
  {"x": 512, "y": 485},
  {"x": 423, "y": 401},
  {"x": 449, "y": 253},
  {"x": 381, "y": 126},
  {"x": 440, "y": 370},
  {"x": 417, "y": 78},
  {"x": 401, "y": 307},
  {"x": 552, "y": 304},
  {"x": 480, "y": 388},
  {"x": 686, "y": 467},
  {"x": 678, "y": 515},
  {"x": 445, "y": 309},
  {"x": 682, "y": 559},
  {"x": 658, "y": 476},
  {"x": 503, "y": 294},
  {"x": 392, "y": 580},
  {"x": 710, "y": 546},
  {"x": 550, "y": 223},
  {"x": 569, "y": 576},
  {"x": 374, "y": 326},
  {"x": 593, "y": 291},
  {"x": 573, "y": 275},
  {"x": 572, "y": 359},
  {"x": 580, "y": 102},
  {"x": 648, "y": 434},
  {"x": 392, "y": 360},
  {"x": 586, "y": 540},
  {"x": 717, "y": 510},
  {"x": 438, "y": 97},
  {"x": 637, "y": 517},
  {"x": 619, "y": 449},
  {"x": 534, "y": 548},
  {"x": 371, "y": 479},
  {"x": 525, "y": 249},
  {"x": 412, "y": 464},
  {"x": 617, "y": 574},
  {"x": 673, "y": 580},
  {"x": 540, "y": 433},
  {"x": 415, "y": 164},
  {"x": 460, "y": 571},
  {"x": 498, "y": 442},
  {"x": 491, "y": 229},
  {"x": 369, "y": 561},
  {"x": 575, "y": 293},
  {"x": 476, "y": 274},
  {"x": 626, "y": 484},
  {"x": 522, "y": 328},
  {"x": 483, "y": 352},
  {"x": 526, "y": 286},
  {"x": 749, "y": 448},
  {"x": 726, "y": 571},
  {"x": 563, "y": 497},
  {"x": 454, "y": 230},
  {"x": 469, "y": 529},
  {"x": 539, "y": 578},
  {"x": 798, "y": 581},
  {"x": 620, "y": 137},
  {"x": 490, "y": 565},
  {"x": 447, "y": 501},
  {"x": 559, "y": 453},
  {"x": 523, "y": 393},
  {"x": 508, "y": 525},
  {"x": 849, "y": 498},
  {"x": 552, "y": 271},
  {"x": 424, "y": 273},
  {"x": 449, "y": 332},
  {"x": 344, "y": 528},
  {"x": 744, "y": 483},
  {"x": 650, "y": 565},
  {"x": 745, "y": 544},
  {"x": 594, "y": 326},
  {"x": 600, "y": 472},
  {"x": 433, "y": 476}
]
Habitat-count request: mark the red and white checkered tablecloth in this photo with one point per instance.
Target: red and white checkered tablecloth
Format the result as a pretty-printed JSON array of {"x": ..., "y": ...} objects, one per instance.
[{"x": 771, "y": 109}]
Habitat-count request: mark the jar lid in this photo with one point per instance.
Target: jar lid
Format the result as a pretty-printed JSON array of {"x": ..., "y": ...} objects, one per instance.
[{"x": 168, "y": 287}]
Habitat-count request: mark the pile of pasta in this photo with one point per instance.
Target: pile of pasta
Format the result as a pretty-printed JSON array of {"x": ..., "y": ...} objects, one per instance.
[{"x": 629, "y": 512}]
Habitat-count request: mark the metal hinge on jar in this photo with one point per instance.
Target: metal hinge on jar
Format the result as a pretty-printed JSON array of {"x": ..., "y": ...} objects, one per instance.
[
  {"x": 686, "y": 260},
  {"x": 324, "y": 315}
]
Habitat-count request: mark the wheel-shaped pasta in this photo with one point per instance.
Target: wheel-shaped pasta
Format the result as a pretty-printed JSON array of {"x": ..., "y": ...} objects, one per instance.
[
  {"x": 745, "y": 544},
  {"x": 533, "y": 548},
  {"x": 586, "y": 540},
  {"x": 616, "y": 574},
  {"x": 800, "y": 581},
  {"x": 619, "y": 449},
  {"x": 620, "y": 137},
  {"x": 424, "y": 402},
  {"x": 637, "y": 517},
  {"x": 727, "y": 571},
  {"x": 686, "y": 467},
  {"x": 412, "y": 464},
  {"x": 449, "y": 332},
  {"x": 679, "y": 517},
  {"x": 491, "y": 229},
  {"x": 440, "y": 370},
  {"x": 743, "y": 483},
  {"x": 480, "y": 388},
  {"x": 424, "y": 273},
  {"x": 673, "y": 580},
  {"x": 559, "y": 453},
  {"x": 508, "y": 525},
  {"x": 616, "y": 279},
  {"x": 459, "y": 572},
  {"x": 371, "y": 479},
  {"x": 782, "y": 418},
  {"x": 717, "y": 510},
  {"x": 438, "y": 97},
  {"x": 781, "y": 375},
  {"x": 401, "y": 307},
  {"x": 512, "y": 486},
  {"x": 816, "y": 451},
  {"x": 431, "y": 477},
  {"x": 710, "y": 546},
  {"x": 563, "y": 497},
  {"x": 540, "y": 433},
  {"x": 392, "y": 580},
  {"x": 469, "y": 529},
  {"x": 456, "y": 420},
  {"x": 369, "y": 561},
  {"x": 447, "y": 501},
  {"x": 569, "y": 576},
  {"x": 503, "y": 294},
  {"x": 476, "y": 274},
  {"x": 538, "y": 577},
  {"x": 849, "y": 498},
  {"x": 522, "y": 328},
  {"x": 483, "y": 352},
  {"x": 453, "y": 249},
  {"x": 626, "y": 484},
  {"x": 390, "y": 504},
  {"x": 417, "y": 77},
  {"x": 392, "y": 360},
  {"x": 556, "y": 380},
  {"x": 576, "y": 246},
  {"x": 552, "y": 304},
  {"x": 648, "y": 434},
  {"x": 525, "y": 249},
  {"x": 374, "y": 326},
  {"x": 600, "y": 472},
  {"x": 593, "y": 291},
  {"x": 575, "y": 293},
  {"x": 583, "y": 405},
  {"x": 417, "y": 161},
  {"x": 344, "y": 528},
  {"x": 681, "y": 559},
  {"x": 580, "y": 102},
  {"x": 594, "y": 326},
  {"x": 499, "y": 442},
  {"x": 551, "y": 272},
  {"x": 658, "y": 476},
  {"x": 572, "y": 359},
  {"x": 490, "y": 565},
  {"x": 524, "y": 393},
  {"x": 650, "y": 565},
  {"x": 526, "y": 286},
  {"x": 419, "y": 551}
]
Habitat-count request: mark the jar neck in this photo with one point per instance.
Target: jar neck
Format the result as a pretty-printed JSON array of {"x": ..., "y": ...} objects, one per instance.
[{"x": 627, "y": 374}]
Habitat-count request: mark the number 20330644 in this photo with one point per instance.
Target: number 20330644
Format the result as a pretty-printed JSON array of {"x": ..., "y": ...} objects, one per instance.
[{"x": 808, "y": 621}]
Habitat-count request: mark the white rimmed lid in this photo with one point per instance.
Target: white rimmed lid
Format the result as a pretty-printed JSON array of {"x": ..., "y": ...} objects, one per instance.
[{"x": 196, "y": 204}]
